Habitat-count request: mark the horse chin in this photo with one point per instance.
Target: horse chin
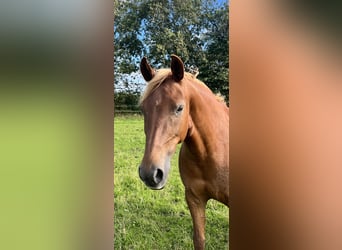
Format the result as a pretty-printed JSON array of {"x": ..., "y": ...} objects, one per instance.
[{"x": 159, "y": 187}]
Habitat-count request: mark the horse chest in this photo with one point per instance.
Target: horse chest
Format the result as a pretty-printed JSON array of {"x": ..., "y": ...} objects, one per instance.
[{"x": 207, "y": 176}]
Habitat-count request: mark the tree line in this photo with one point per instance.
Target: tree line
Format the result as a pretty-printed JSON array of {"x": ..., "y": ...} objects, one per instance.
[{"x": 195, "y": 30}]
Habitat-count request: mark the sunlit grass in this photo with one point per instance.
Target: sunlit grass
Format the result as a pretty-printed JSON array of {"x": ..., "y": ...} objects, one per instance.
[{"x": 147, "y": 219}]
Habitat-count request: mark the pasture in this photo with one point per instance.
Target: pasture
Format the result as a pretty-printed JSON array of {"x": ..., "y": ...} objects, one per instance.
[{"x": 148, "y": 219}]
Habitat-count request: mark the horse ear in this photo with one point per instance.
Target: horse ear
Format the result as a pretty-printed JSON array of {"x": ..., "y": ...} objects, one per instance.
[
  {"x": 177, "y": 68},
  {"x": 146, "y": 70}
]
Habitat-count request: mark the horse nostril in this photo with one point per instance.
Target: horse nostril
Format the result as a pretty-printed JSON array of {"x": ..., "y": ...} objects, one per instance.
[{"x": 158, "y": 176}]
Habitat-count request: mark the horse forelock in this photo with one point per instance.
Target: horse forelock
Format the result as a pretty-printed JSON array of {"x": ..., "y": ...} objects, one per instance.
[{"x": 155, "y": 82}]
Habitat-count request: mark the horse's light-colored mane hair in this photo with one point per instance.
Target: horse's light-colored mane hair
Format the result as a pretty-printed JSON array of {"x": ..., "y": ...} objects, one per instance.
[{"x": 161, "y": 75}]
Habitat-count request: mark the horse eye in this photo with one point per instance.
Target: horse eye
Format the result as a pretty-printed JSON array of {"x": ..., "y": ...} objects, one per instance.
[{"x": 179, "y": 109}]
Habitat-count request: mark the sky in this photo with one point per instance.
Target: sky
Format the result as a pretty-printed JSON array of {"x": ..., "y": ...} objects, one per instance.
[{"x": 222, "y": 1}]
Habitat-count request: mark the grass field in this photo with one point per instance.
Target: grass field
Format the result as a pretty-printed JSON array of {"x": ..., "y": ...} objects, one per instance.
[{"x": 148, "y": 219}]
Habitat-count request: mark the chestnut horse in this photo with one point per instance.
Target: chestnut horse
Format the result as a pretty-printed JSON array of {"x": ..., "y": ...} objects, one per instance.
[{"x": 178, "y": 108}]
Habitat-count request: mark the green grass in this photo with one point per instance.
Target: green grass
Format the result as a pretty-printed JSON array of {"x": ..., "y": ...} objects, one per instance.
[{"x": 148, "y": 219}]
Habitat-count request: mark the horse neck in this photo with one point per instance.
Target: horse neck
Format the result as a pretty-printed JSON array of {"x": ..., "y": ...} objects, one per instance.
[{"x": 210, "y": 120}]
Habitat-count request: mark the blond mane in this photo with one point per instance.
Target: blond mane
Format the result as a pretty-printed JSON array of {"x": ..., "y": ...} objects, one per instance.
[{"x": 159, "y": 78}]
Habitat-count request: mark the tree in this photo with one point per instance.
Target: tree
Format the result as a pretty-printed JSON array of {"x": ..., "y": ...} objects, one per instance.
[
  {"x": 195, "y": 30},
  {"x": 216, "y": 71}
]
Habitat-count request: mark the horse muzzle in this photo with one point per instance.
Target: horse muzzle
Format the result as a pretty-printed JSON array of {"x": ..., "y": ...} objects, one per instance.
[{"x": 154, "y": 177}]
